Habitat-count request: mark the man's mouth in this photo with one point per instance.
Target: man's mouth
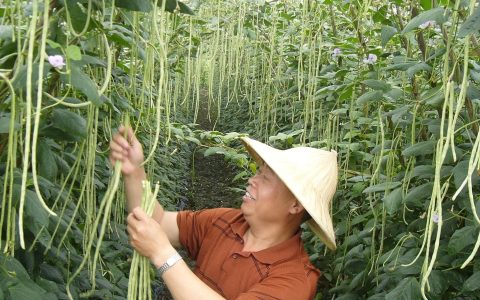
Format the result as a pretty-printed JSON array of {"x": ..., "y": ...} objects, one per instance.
[{"x": 249, "y": 196}]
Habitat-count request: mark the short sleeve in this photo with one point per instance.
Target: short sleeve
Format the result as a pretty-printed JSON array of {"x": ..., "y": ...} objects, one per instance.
[{"x": 194, "y": 226}]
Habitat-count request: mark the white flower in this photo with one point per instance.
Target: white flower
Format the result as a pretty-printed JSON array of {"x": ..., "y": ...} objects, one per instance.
[
  {"x": 336, "y": 52},
  {"x": 435, "y": 218},
  {"x": 56, "y": 61},
  {"x": 372, "y": 58},
  {"x": 427, "y": 24}
]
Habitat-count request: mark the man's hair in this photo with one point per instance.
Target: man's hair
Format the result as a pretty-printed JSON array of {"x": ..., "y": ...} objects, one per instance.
[{"x": 306, "y": 216}]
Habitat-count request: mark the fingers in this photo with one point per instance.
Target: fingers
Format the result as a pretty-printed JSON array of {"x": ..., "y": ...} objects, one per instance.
[
  {"x": 127, "y": 132},
  {"x": 139, "y": 214}
]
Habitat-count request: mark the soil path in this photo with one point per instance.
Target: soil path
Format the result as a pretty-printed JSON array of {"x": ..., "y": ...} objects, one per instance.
[{"x": 212, "y": 175}]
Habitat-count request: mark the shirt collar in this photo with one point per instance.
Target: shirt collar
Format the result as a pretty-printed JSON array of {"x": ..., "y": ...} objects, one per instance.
[{"x": 283, "y": 251}]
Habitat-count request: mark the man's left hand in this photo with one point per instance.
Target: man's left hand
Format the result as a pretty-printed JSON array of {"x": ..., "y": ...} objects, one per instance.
[{"x": 148, "y": 237}]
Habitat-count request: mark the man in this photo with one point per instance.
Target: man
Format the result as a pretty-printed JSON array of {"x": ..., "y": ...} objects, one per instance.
[{"x": 252, "y": 253}]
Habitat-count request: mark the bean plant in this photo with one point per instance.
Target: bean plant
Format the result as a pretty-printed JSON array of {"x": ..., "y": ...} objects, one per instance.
[{"x": 392, "y": 86}]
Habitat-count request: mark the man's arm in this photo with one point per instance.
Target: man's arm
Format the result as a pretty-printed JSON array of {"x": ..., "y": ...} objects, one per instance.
[
  {"x": 126, "y": 148},
  {"x": 151, "y": 240}
]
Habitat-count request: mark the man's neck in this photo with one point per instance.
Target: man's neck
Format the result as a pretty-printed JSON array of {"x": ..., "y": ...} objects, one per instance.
[{"x": 257, "y": 238}]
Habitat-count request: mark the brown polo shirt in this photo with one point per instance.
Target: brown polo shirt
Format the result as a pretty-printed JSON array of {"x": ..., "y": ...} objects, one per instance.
[{"x": 214, "y": 239}]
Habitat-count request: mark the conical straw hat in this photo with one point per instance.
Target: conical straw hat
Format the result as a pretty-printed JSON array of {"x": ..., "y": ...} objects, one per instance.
[{"x": 310, "y": 174}]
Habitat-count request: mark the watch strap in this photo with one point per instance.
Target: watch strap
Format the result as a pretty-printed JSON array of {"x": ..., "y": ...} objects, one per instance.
[{"x": 171, "y": 261}]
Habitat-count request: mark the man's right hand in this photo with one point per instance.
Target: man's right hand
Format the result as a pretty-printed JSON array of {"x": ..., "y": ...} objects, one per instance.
[{"x": 126, "y": 148}]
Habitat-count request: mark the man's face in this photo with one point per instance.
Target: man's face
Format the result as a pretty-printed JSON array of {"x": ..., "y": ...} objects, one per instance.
[{"x": 267, "y": 197}]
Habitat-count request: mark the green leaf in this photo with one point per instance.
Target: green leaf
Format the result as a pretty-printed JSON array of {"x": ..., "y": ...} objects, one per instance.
[
  {"x": 475, "y": 76},
  {"x": 73, "y": 52},
  {"x": 471, "y": 24},
  {"x": 435, "y": 14},
  {"x": 13, "y": 265},
  {"x": 433, "y": 96},
  {"x": 20, "y": 79},
  {"x": 402, "y": 66},
  {"x": 77, "y": 16},
  {"x": 34, "y": 210},
  {"x": 27, "y": 289},
  {"x": 424, "y": 171},
  {"x": 426, "y": 4},
  {"x": 437, "y": 282},
  {"x": 387, "y": 33},
  {"x": 460, "y": 172},
  {"x": 53, "y": 44},
  {"x": 70, "y": 123},
  {"x": 5, "y": 124},
  {"x": 6, "y": 32},
  {"x": 462, "y": 238},
  {"x": 407, "y": 289},
  {"x": 420, "y": 148},
  {"x": 137, "y": 5},
  {"x": 472, "y": 283},
  {"x": 381, "y": 187},
  {"x": 214, "y": 150},
  {"x": 393, "y": 201},
  {"x": 184, "y": 8},
  {"x": 192, "y": 139},
  {"x": 47, "y": 166},
  {"x": 83, "y": 83},
  {"x": 369, "y": 96},
  {"x": 418, "y": 194},
  {"x": 377, "y": 84},
  {"x": 417, "y": 68}
]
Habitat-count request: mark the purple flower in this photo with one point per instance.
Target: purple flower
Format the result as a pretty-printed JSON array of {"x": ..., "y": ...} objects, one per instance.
[
  {"x": 336, "y": 52},
  {"x": 372, "y": 58},
  {"x": 435, "y": 218},
  {"x": 427, "y": 24},
  {"x": 56, "y": 61}
]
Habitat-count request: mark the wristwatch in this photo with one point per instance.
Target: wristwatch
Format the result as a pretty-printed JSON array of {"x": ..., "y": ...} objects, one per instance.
[{"x": 172, "y": 260}]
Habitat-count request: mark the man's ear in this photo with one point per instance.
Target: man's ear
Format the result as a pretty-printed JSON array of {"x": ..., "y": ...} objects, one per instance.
[{"x": 296, "y": 207}]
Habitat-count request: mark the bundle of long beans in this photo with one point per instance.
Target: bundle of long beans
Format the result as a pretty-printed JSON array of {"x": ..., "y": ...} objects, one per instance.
[{"x": 139, "y": 286}]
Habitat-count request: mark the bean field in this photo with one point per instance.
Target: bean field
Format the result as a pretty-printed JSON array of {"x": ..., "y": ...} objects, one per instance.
[{"x": 393, "y": 86}]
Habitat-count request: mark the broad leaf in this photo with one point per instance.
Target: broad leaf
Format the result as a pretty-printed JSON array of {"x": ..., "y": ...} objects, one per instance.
[
  {"x": 214, "y": 150},
  {"x": 47, "y": 166},
  {"x": 377, "y": 84},
  {"x": 70, "y": 123},
  {"x": 77, "y": 16},
  {"x": 34, "y": 210},
  {"x": 460, "y": 172},
  {"x": 417, "y": 68},
  {"x": 27, "y": 289},
  {"x": 6, "y": 32},
  {"x": 472, "y": 283},
  {"x": 393, "y": 201},
  {"x": 138, "y": 5},
  {"x": 435, "y": 14},
  {"x": 461, "y": 239},
  {"x": 381, "y": 187},
  {"x": 417, "y": 195},
  {"x": 73, "y": 52},
  {"x": 387, "y": 33},
  {"x": 471, "y": 24},
  {"x": 5, "y": 124},
  {"x": 407, "y": 289},
  {"x": 369, "y": 96},
  {"x": 83, "y": 83},
  {"x": 20, "y": 79},
  {"x": 420, "y": 148}
]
